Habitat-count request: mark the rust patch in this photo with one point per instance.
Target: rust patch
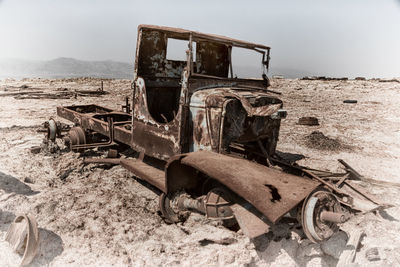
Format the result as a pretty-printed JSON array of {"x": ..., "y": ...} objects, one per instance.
[{"x": 198, "y": 130}]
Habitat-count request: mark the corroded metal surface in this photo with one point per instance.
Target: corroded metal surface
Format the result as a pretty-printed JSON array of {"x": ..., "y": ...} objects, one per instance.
[
  {"x": 270, "y": 191},
  {"x": 183, "y": 34},
  {"x": 95, "y": 118},
  {"x": 23, "y": 236},
  {"x": 195, "y": 128},
  {"x": 167, "y": 120},
  {"x": 315, "y": 227},
  {"x": 146, "y": 172},
  {"x": 192, "y": 104},
  {"x": 157, "y": 138},
  {"x": 221, "y": 116},
  {"x": 251, "y": 224}
]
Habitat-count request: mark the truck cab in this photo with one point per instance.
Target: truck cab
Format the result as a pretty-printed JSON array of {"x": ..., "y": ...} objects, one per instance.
[{"x": 193, "y": 102}]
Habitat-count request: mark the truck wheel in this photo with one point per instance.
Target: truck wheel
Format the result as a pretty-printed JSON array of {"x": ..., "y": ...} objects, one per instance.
[
  {"x": 170, "y": 214},
  {"x": 76, "y": 136},
  {"x": 314, "y": 205},
  {"x": 53, "y": 129}
]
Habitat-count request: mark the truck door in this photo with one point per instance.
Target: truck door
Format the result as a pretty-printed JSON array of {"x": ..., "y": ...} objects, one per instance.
[{"x": 159, "y": 94}]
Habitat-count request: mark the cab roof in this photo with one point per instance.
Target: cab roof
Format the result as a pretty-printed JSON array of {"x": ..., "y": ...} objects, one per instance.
[{"x": 183, "y": 34}]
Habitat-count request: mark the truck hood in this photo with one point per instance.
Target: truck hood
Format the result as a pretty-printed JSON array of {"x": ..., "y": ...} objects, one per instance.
[{"x": 254, "y": 102}]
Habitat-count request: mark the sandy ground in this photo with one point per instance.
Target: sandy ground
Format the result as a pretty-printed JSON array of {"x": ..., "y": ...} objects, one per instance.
[{"x": 91, "y": 215}]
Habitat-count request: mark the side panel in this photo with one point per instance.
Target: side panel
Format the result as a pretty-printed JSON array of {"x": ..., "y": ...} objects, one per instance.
[
  {"x": 272, "y": 192},
  {"x": 159, "y": 140},
  {"x": 206, "y": 128}
]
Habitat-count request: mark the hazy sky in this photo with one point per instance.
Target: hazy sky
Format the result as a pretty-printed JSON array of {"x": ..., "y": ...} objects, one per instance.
[{"x": 331, "y": 37}]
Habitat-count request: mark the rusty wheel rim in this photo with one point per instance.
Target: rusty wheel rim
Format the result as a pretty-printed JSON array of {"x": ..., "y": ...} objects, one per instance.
[
  {"x": 76, "y": 137},
  {"x": 318, "y": 201}
]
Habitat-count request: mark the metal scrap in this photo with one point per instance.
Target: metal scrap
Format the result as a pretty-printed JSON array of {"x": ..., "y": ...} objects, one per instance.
[
  {"x": 23, "y": 236},
  {"x": 21, "y": 93},
  {"x": 358, "y": 176},
  {"x": 348, "y": 255}
]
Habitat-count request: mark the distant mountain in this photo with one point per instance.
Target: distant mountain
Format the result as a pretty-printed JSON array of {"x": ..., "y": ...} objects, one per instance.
[
  {"x": 64, "y": 68},
  {"x": 70, "y": 67}
]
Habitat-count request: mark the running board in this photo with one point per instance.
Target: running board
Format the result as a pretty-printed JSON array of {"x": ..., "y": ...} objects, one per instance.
[{"x": 153, "y": 176}]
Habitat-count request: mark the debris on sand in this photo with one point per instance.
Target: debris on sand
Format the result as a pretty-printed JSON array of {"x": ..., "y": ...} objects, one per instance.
[
  {"x": 360, "y": 79},
  {"x": 23, "y": 236},
  {"x": 309, "y": 121},
  {"x": 389, "y": 80},
  {"x": 323, "y": 78},
  {"x": 318, "y": 140},
  {"x": 372, "y": 254},
  {"x": 350, "y": 101},
  {"x": 21, "y": 93}
]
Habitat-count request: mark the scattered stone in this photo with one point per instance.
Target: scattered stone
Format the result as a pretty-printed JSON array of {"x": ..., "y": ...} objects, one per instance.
[
  {"x": 360, "y": 79},
  {"x": 313, "y": 250},
  {"x": 28, "y": 180},
  {"x": 335, "y": 245},
  {"x": 227, "y": 259},
  {"x": 309, "y": 121},
  {"x": 372, "y": 254},
  {"x": 309, "y": 249}
]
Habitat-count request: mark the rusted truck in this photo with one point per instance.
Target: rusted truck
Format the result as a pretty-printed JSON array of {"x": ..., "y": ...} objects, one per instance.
[{"x": 206, "y": 139}]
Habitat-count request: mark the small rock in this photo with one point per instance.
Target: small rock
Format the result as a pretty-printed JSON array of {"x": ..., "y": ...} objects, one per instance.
[
  {"x": 35, "y": 149},
  {"x": 309, "y": 249},
  {"x": 313, "y": 250},
  {"x": 28, "y": 180},
  {"x": 335, "y": 245},
  {"x": 227, "y": 258},
  {"x": 372, "y": 254},
  {"x": 309, "y": 121}
]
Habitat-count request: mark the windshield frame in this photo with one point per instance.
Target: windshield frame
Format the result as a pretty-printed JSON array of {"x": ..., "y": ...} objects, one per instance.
[{"x": 190, "y": 63}]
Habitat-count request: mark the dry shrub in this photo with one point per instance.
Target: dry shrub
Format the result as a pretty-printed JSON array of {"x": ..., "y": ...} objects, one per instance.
[{"x": 318, "y": 140}]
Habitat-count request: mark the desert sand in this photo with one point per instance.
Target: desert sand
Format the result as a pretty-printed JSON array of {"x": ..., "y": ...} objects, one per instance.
[{"x": 101, "y": 216}]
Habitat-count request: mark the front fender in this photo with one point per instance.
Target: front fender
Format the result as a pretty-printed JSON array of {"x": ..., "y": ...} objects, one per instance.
[{"x": 270, "y": 191}]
